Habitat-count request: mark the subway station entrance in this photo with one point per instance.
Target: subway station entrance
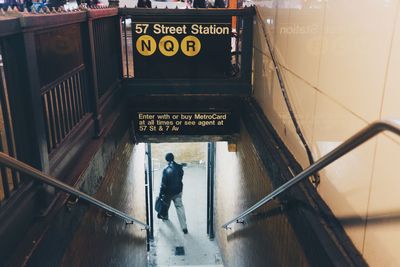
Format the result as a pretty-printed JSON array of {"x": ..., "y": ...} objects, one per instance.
[
  {"x": 169, "y": 245},
  {"x": 107, "y": 92},
  {"x": 198, "y": 122}
]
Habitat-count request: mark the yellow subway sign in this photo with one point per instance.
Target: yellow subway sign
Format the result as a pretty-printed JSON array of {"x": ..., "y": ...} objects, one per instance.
[
  {"x": 182, "y": 49},
  {"x": 190, "y": 46}
]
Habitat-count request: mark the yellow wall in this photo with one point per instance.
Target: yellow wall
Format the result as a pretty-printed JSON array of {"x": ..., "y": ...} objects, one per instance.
[
  {"x": 183, "y": 152},
  {"x": 341, "y": 64}
]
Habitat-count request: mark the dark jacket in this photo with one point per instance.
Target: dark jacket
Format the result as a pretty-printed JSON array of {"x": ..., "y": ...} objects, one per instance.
[{"x": 171, "y": 183}]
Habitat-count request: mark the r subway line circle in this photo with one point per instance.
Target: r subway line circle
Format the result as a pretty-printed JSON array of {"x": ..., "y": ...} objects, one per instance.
[{"x": 190, "y": 46}]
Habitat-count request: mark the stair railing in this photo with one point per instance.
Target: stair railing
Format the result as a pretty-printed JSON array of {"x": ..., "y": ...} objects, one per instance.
[
  {"x": 47, "y": 179},
  {"x": 354, "y": 141}
]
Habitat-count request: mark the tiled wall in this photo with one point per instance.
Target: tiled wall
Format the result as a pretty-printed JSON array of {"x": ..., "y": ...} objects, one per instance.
[
  {"x": 341, "y": 65},
  {"x": 267, "y": 239}
]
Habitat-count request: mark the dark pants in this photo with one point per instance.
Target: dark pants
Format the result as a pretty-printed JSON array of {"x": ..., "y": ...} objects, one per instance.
[{"x": 180, "y": 209}]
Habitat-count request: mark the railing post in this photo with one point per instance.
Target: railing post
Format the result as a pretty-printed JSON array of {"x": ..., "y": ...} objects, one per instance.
[
  {"x": 26, "y": 101},
  {"x": 247, "y": 47},
  {"x": 39, "y": 141},
  {"x": 21, "y": 71},
  {"x": 103, "y": 58},
  {"x": 95, "y": 88},
  {"x": 120, "y": 51}
]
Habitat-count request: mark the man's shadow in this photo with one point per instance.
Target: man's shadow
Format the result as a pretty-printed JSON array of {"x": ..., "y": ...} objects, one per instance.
[{"x": 169, "y": 232}]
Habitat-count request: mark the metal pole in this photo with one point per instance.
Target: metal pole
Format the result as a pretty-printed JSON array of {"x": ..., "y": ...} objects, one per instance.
[
  {"x": 212, "y": 179},
  {"x": 146, "y": 191},
  {"x": 149, "y": 157},
  {"x": 126, "y": 48},
  {"x": 208, "y": 186}
]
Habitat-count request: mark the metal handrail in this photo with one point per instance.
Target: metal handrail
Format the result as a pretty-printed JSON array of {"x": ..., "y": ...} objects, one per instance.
[
  {"x": 354, "y": 141},
  {"x": 42, "y": 177}
]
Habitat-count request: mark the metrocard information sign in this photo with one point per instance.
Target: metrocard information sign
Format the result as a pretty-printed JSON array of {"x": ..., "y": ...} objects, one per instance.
[
  {"x": 186, "y": 123},
  {"x": 182, "y": 48}
]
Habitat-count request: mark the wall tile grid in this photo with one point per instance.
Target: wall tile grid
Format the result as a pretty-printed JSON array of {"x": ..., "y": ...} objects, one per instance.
[
  {"x": 340, "y": 60},
  {"x": 271, "y": 96},
  {"x": 382, "y": 237},
  {"x": 345, "y": 183},
  {"x": 355, "y": 52}
]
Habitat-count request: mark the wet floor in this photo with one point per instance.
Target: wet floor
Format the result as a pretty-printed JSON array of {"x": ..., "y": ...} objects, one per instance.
[{"x": 199, "y": 250}]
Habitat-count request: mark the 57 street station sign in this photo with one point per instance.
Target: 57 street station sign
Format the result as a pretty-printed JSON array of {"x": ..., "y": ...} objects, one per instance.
[{"x": 181, "y": 49}]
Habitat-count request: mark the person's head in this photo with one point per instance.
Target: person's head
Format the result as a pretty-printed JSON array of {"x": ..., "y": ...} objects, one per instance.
[{"x": 169, "y": 157}]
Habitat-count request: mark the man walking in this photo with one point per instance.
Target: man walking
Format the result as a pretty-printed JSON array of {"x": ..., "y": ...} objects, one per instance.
[{"x": 171, "y": 189}]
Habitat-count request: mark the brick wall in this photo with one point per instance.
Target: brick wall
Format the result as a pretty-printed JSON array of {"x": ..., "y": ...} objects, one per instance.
[{"x": 183, "y": 152}]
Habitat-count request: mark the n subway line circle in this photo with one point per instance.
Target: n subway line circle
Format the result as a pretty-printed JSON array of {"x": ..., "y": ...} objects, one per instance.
[{"x": 146, "y": 45}]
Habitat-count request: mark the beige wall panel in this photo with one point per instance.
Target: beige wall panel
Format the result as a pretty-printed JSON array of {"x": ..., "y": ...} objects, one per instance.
[
  {"x": 276, "y": 108},
  {"x": 263, "y": 67},
  {"x": 391, "y": 106},
  {"x": 263, "y": 81},
  {"x": 356, "y": 41},
  {"x": 231, "y": 189},
  {"x": 303, "y": 99},
  {"x": 281, "y": 40},
  {"x": 268, "y": 94},
  {"x": 382, "y": 240},
  {"x": 260, "y": 82},
  {"x": 304, "y": 34},
  {"x": 295, "y": 146},
  {"x": 259, "y": 43},
  {"x": 356, "y": 80},
  {"x": 345, "y": 183},
  {"x": 267, "y": 10}
]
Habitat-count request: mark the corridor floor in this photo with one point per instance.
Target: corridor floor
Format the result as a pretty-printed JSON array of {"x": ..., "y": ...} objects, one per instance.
[{"x": 199, "y": 249}]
